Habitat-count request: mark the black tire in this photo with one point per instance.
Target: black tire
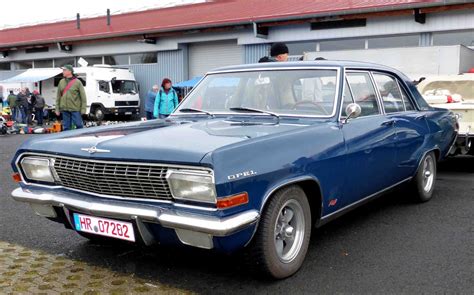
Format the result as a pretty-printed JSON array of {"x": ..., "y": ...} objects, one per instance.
[
  {"x": 262, "y": 253},
  {"x": 424, "y": 182},
  {"x": 99, "y": 113}
]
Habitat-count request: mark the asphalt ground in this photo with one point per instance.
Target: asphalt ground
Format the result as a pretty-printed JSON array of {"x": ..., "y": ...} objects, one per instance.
[{"x": 390, "y": 245}]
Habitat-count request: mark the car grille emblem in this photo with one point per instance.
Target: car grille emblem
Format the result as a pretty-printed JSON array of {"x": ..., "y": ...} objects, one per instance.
[{"x": 94, "y": 149}]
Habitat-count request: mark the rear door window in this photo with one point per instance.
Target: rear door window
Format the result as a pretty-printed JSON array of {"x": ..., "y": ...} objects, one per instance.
[
  {"x": 389, "y": 93},
  {"x": 409, "y": 106},
  {"x": 363, "y": 92}
]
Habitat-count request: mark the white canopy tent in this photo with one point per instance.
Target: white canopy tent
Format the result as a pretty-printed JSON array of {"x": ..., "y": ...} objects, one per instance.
[{"x": 33, "y": 75}]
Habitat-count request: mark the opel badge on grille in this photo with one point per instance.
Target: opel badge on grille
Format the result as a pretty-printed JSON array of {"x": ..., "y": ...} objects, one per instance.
[{"x": 94, "y": 149}]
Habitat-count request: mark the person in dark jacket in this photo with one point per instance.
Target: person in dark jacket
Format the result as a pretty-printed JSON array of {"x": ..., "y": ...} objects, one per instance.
[
  {"x": 150, "y": 102},
  {"x": 22, "y": 105},
  {"x": 31, "y": 106},
  {"x": 166, "y": 100},
  {"x": 278, "y": 52},
  {"x": 38, "y": 107}
]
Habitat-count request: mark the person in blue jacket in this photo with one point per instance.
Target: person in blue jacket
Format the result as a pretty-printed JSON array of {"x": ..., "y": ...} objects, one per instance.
[
  {"x": 166, "y": 100},
  {"x": 150, "y": 102}
]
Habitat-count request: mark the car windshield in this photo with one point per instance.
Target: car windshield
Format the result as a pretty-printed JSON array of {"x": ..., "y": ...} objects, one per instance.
[
  {"x": 124, "y": 87},
  {"x": 283, "y": 92}
]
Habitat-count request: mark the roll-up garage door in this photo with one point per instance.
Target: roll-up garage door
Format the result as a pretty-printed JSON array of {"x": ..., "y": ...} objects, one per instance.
[{"x": 207, "y": 56}]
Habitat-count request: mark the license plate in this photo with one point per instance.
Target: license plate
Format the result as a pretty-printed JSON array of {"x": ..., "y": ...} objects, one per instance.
[
  {"x": 104, "y": 227},
  {"x": 128, "y": 113}
]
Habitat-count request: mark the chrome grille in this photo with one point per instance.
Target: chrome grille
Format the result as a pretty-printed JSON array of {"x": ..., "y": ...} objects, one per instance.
[{"x": 113, "y": 178}]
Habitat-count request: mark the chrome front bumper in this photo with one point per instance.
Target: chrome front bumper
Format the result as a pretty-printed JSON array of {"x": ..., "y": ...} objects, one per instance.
[{"x": 185, "y": 224}]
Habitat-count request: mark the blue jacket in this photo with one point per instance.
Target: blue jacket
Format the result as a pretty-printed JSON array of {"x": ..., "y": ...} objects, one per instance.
[
  {"x": 150, "y": 101},
  {"x": 165, "y": 103}
]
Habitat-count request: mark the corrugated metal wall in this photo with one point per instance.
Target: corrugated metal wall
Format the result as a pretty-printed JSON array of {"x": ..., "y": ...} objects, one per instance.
[
  {"x": 252, "y": 53},
  {"x": 171, "y": 64}
]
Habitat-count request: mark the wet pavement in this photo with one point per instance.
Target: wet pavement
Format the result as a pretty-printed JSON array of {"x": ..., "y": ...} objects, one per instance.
[{"x": 390, "y": 245}]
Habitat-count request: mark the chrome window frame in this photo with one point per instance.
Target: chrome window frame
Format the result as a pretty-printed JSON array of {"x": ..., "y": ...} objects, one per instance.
[
  {"x": 336, "y": 98},
  {"x": 345, "y": 72},
  {"x": 398, "y": 86}
]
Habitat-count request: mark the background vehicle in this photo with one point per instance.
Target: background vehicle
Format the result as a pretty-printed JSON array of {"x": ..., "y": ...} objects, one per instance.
[
  {"x": 252, "y": 158},
  {"x": 109, "y": 90},
  {"x": 456, "y": 93}
]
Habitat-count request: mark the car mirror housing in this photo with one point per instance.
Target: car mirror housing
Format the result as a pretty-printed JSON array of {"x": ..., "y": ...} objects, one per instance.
[{"x": 353, "y": 110}]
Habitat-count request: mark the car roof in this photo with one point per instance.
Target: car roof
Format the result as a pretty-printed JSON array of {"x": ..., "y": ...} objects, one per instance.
[{"x": 311, "y": 64}]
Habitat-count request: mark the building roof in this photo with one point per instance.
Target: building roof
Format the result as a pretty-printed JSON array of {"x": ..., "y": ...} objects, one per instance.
[{"x": 215, "y": 13}]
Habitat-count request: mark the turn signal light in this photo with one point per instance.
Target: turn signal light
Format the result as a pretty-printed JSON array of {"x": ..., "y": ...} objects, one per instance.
[
  {"x": 233, "y": 201},
  {"x": 16, "y": 177}
]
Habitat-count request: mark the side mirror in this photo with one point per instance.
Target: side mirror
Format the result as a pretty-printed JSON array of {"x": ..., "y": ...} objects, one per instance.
[{"x": 353, "y": 110}]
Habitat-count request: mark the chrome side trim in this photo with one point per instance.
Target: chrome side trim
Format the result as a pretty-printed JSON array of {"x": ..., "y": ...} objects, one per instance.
[
  {"x": 325, "y": 219},
  {"x": 125, "y": 210}
]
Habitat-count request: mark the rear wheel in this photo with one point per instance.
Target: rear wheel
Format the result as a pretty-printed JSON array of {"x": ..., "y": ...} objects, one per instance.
[
  {"x": 282, "y": 238},
  {"x": 425, "y": 179}
]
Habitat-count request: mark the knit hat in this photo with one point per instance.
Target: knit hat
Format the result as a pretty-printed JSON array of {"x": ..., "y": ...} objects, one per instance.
[
  {"x": 165, "y": 80},
  {"x": 68, "y": 67},
  {"x": 278, "y": 48}
]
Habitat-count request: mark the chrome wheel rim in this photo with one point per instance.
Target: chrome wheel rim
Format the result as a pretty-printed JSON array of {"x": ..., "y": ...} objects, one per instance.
[
  {"x": 428, "y": 174},
  {"x": 289, "y": 231}
]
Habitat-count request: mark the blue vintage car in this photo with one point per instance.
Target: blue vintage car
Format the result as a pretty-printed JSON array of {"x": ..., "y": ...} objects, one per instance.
[{"x": 253, "y": 158}]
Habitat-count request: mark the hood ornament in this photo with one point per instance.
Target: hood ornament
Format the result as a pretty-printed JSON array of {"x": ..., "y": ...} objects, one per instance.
[{"x": 94, "y": 149}]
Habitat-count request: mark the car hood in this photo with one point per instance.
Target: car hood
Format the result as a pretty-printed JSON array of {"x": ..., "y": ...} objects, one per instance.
[{"x": 171, "y": 141}]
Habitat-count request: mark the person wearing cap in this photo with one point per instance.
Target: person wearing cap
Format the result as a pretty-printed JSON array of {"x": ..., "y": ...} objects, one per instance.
[
  {"x": 150, "y": 102},
  {"x": 166, "y": 100},
  {"x": 71, "y": 100},
  {"x": 38, "y": 107},
  {"x": 278, "y": 52}
]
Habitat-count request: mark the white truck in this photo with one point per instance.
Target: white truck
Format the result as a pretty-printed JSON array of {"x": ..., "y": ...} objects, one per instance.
[
  {"x": 456, "y": 93},
  {"x": 109, "y": 90}
]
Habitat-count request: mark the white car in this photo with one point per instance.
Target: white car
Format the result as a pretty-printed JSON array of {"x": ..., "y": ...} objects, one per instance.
[{"x": 456, "y": 93}]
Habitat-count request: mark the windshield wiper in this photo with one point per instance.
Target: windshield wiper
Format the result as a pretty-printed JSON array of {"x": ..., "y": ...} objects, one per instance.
[
  {"x": 244, "y": 109},
  {"x": 191, "y": 110}
]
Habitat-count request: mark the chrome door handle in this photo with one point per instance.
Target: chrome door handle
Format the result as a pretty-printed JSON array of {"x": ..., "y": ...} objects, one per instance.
[
  {"x": 388, "y": 123},
  {"x": 420, "y": 117}
]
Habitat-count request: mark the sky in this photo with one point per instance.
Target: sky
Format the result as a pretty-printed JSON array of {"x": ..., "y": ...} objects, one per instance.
[{"x": 22, "y": 12}]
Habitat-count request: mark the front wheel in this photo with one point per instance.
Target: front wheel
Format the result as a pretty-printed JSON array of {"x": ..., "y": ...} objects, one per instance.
[
  {"x": 282, "y": 238},
  {"x": 425, "y": 179},
  {"x": 99, "y": 113}
]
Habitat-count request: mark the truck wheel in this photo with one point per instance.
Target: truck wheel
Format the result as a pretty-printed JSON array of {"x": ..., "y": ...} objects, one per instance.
[
  {"x": 282, "y": 238},
  {"x": 99, "y": 113},
  {"x": 423, "y": 183}
]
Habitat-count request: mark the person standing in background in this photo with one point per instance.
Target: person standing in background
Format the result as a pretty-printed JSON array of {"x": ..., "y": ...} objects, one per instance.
[
  {"x": 38, "y": 107},
  {"x": 31, "y": 106},
  {"x": 71, "y": 100},
  {"x": 150, "y": 102},
  {"x": 12, "y": 104},
  {"x": 166, "y": 100},
  {"x": 22, "y": 106},
  {"x": 278, "y": 52}
]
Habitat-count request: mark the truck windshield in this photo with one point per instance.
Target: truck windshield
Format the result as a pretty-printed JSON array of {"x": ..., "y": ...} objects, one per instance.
[
  {"x": 124, "y": 87},
  {"x": 464, "y": 88},
  {"x": 282, "y": 92}
]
